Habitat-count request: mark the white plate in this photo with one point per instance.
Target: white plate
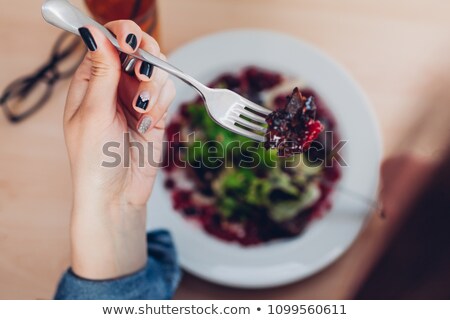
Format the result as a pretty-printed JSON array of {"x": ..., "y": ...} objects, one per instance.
[{"x": 280, "y": 262}]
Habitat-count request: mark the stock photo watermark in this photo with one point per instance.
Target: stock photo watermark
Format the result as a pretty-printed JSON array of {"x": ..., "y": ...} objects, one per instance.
[{"x": 213, "y": 154}]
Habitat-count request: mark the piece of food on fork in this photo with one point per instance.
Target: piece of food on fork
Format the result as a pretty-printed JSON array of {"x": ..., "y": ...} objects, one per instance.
[{"x": 292, "y": 128}]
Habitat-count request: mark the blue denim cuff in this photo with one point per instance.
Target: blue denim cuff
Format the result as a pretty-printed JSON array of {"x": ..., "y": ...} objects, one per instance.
[{"x": 158, "y": 280}]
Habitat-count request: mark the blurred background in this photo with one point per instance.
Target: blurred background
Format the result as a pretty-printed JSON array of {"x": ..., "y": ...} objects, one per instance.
[{"x": 396, "y": 50}]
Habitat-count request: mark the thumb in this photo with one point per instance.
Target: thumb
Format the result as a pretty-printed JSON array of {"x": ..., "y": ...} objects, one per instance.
[{"x": 104, "y": 70}]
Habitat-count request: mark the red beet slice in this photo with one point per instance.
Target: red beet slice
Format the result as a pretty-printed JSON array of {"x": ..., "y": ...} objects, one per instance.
[{"x": 292, "y": 129}]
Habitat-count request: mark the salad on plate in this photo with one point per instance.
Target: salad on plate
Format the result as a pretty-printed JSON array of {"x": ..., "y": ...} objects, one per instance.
[{"x": 240, "y": 191}]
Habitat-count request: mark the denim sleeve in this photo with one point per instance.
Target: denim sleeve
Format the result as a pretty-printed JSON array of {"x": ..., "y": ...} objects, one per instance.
[{"x": 158, "y": 280}]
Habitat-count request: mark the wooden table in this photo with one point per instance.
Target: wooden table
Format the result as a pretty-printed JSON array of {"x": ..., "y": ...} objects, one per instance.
[{"x": 397, "y": 51}]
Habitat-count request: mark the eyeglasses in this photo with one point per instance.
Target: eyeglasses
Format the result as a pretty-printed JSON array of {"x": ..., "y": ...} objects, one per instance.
[{"x": 26, "y": 95}]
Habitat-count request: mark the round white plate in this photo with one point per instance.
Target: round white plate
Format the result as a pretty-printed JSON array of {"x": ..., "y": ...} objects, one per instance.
[{"x": 325, "y": 239}]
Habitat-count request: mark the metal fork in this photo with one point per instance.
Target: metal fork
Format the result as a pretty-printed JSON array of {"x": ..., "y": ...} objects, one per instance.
[{"x": 225, "y": 107}]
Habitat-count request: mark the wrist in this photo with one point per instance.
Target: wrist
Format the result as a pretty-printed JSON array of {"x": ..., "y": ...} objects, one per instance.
[{"x": 108, "y": 239}]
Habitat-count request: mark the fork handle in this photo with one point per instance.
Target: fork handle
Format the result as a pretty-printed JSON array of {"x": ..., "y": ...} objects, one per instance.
[
  {"x": 164, "y": 65},
  {"x": 64, "y": 15}
]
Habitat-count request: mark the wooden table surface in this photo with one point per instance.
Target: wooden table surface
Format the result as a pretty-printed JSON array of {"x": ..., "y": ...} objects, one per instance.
[{"x": 397, "y": 50}]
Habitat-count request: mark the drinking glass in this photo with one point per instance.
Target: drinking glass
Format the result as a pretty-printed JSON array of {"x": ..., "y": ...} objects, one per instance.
[{"x": 143, "y": 12}]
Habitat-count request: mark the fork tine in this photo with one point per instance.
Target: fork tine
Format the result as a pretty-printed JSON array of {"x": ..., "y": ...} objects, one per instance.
[
  {"x": 248, "y": 124},
  {"x": 255, "y": 107},
  {"x": 229, "y": 124},
  {"x": 250, "y": 115}
]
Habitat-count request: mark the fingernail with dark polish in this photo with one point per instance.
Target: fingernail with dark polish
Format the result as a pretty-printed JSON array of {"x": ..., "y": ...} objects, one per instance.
[
  {"x": 144, "y": 125},
  {"x": 142, "y": 100},
  {"x": 146, "y": 69},
  {"x": 88, "y": 38},
  {"x": 132, "y": 41}
]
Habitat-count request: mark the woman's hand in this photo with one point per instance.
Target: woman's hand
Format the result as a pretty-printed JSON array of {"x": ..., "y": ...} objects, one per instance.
[{"x": 109, "y": 110}]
